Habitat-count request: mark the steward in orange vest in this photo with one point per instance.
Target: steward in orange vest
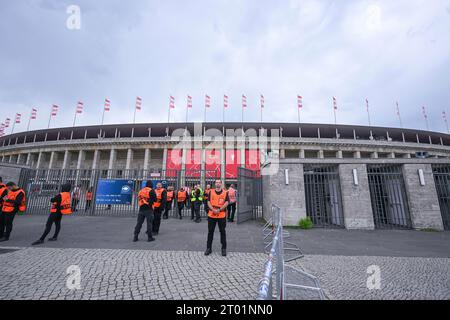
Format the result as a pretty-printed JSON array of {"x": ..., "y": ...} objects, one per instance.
[
  {"x": 169, "y": 201},
  {"x": 13, "y": 202},
  {"x": 158, "y": 206},
  {"x": 89, "y": 198},
  {"x": 206, "y": 194},
  {"x": 61, "y": 205},
  {"x": 146, "y": 200},
  {"x": 3, "y": 192},
  {"x": 181, "y": 201},
  {"x": 217, "y": 204}
]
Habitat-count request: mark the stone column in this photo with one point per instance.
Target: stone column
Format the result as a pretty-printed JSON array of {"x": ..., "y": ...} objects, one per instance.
[
  {"x": 66, "y": 159},
  {"x": 356, "y": 201},
  {"x": 164, "y": 164},
  {"x": 290, "y": 198},
  {"x": 301, "y": 154},
  {"x": 28, "y": 159},
  {"x": 339, "y": 154},
  {"x": 52, "y": 160},
  {"x": 95, "y": 159},
  {"x": 146, "y": 160},
  {"x": 423, "y": 200},
  {"x": 357, "y": 155},
  {"x": 80, "y": 159},
  {"x": 374, "y": 155},
  {"x": 39, "y": 160},
  {"x": 282, "y": 153},
  {"x": 112, "y": 159},
  {"x": 320, "y": 154},
  {"x": 129, "y": 159},
  {"x": 223, "y": 157},
  {"x": 19, "y": 157}
]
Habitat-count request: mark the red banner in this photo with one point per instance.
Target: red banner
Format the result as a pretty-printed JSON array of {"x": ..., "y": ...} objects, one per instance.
[
  {"x": 213, "y": 163},
  {"x": 252, "y": 160},
  {"x": 173, "y": 162},
  {"x": 232, "y": 162},
  {"x": 193, "y": 163}
]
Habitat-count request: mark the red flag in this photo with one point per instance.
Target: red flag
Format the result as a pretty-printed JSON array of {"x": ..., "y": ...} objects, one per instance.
[
  {"x": 334, "y": 103},
  {"x": 80, "y": 106},
  {"x": 207, "y": 101},
  {"x": 367, "y": 104},
  {"x": 189, "y": 102},
  {"x": 398, "y": 108},
  {"x": 2, "y": 130},
  {"x": 7, "y": 122},
  {"x": 33, "y": 114},
  {"x": 444, "y": 115},
  {"x": 107, "y": 105},
  {"x": 299, "y": 101},
  {"x": 138, "y": 103},
  {"x": 18, "y": 117},
  {"x": 244, "y": 101},
  {"x": 55, "y": 109},
  {"x": 262, "y": 100},
  {"x": 172, "y": 103},
  {"x": 225, "y": 101},
  {"x": 424, "y": 111}
]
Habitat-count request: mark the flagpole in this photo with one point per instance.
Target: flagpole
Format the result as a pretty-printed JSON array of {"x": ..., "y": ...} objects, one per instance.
[
  {"x": 205, "y": 115},
  {"x": 399, "y": 116},
  {"x": 298, "y": 111},
  {"x": 103, "y": 115},
  {"x": 75, "y": 117},
  {"x": 368, "y": 113},
  {"x": 168, "y": 116},
  {"x": 14, "y": 124},
  {"x": 29, "y": 122},
  {"x": 335, "y": 121},
  {"x": 187, "y": 114},
  {"x": 134, "y": 117},
  {"x": 50, "y": 118}
]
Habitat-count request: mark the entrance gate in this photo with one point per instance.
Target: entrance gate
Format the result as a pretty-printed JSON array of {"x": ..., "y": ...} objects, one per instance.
[
  {"x": 249, "y": 193},
  {"x": 323, "y": 195},
  {"x": 442, "y": 180},
  {"x": 388, "y": 195}
]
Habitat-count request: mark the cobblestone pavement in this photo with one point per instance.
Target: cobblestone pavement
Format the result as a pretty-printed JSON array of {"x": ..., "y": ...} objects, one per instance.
[
  {"x": 41, "y": 273},
  {"x": 345, "y": 277}
]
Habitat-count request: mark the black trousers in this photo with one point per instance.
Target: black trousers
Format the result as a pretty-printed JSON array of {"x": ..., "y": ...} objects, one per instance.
[
  {"x": 53, "y": 218},
  {"x": 195, "y": 210},
  {"x": 142, "y": 216},
  {"x": 167, "y": 209},
  {"x": 212, "y": 227},
  {"x": 88, "y": 205},
  {"x": 157, "y": 220},
  {"x": 75, "y": 204},
  {"x": 180, "y": 208},
  {"x": 6, "y": 224},
  {"x": 231, "y": 211}
]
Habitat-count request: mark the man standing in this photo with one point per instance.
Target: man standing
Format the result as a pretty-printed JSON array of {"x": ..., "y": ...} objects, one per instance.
[
  {"x": 61, "y": 205},
  {"x": 217, "y": 205},
  {"x": 158, "y": 206},
  {"x": 3, "y": 192},
  {"x": 181, "y": 201},
  {"x": 76, "y": 195},
  {"x": 146, "y": 198},
  {"x": 232, "y": 194},
  {"x": 13, "y": 202},
  {"x": 206, "y": 197},
  {"x": 196, "y": 203},
  {"x": 169, "y": 201}
]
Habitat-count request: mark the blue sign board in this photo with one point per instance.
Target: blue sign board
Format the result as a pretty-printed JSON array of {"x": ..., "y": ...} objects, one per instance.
[{"x": 114, "y": 191}]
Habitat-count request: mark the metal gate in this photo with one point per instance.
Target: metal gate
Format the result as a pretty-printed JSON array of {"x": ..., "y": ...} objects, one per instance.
[
  {"x": 323, "y": 195},
  {"x": 388, "y": 196},
  {"x": 442, "y": 180},
  {"x": 42, "y": 185},
  {"x": 249, "y": 193}
]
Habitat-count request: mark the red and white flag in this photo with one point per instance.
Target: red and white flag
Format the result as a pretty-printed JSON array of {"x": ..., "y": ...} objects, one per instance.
[
  {"x": 33, "y": 115},
  {"x": 367, "y": 104},
  {"x": 424, "y": 111},
  {"x": 189, "y": 102},
  {"x": 55, "y": 109},
  {"x": 398, "y": 108},
  {"x": 262, "y": 101},
  {"x": 172, "y": 103},
  {"x": 2, "y": 130},
  {"x": 299, "y": 101},
  {"x": 444, "y": 116},
  {"x": 225, "y": 101},
  {"x": 207, "y": 101},
  {"x": 18, "y": 117},
  {"x": 138, "y": 103},
  {"x": 244, "y": 101},
  {"x": 80, "y": 107},
  {"x": 335, "y": 103},
  {"x": 7, "y": 122},
  {"x": 107, "y": 105}
]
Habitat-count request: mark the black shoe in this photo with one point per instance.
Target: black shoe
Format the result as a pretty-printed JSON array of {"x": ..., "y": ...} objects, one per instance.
[
  {"x": 135, "y": 239},
  {"x": 224, "y": 252},
  {"x": 151, "y": 239},
  {"x": 181, "y": 218},
  {"x": 37, "y": 242},
  {"x": 198, "y": 220},
  {"x": 208, "y": 252},
  {"x": 53, "y": 239}
]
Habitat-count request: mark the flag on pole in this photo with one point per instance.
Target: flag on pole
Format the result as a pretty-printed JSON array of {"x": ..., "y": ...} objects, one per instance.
[
  {"x": 107, "y": 105},
  {"x": 138, "y": 103},
  {"x": 207, "y": 101},
  {"x": 18, "y": 117},
  {"x": 33, "y": 114},
  {"x": 424, "y": 111},
  {"x": 172, "y": 103},
  {"x": 7, "y": 122},
  {"x": 80, "y": 106},
  {"x": 299, "y": 101},
  {"x": 189, "y": 102},
  {"x": 2, "y": 130},
  {"x": 335, "y": 103},
  {"x": 398, "y": 108},
  {"x": 367, "y": 104},
  {"x": 225, "y": 101},
  {"x": 244, "y": 101},
  {"x": 262, "y": 101},
  {"x": 444, "y": 115},
  {"x": 55, "y": 109}
]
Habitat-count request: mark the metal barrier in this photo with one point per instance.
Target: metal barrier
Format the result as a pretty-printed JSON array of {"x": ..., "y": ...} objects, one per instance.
[
  {"x": 282, "y": 281},
  {"x": 441, "y": 175}
]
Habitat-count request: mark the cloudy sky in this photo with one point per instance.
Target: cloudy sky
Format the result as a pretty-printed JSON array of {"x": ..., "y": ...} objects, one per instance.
[{"x": 381, "y": 50}]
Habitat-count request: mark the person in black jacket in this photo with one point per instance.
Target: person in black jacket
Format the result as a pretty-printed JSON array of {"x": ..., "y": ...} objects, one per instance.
[
  {"x": 12, "y": 202},
  {"x": 55, "y": 215},
  {"x": 146, "y": 198}
]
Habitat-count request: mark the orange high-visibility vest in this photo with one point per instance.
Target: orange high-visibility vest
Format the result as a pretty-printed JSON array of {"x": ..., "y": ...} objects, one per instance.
[
  {"x": 206, "y": 194},
  {"x": 2, "y": 189},
  {"x": 89, "y": 195},
  {"x": 232, "y": 195},
  {"x": 181, "y": 197},
  {"x": 169, "y": 196},
  {"x": 159, "y": 192},
  {"x": 217, "y": 201},
  {"x": 9, "y": 206},
  {"x": 144, "y": 196},
  {"x": 65, "y": 204}
]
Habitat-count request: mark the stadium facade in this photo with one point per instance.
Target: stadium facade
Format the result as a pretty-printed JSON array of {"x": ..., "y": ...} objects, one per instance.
[{"x": 339, "y": 175}]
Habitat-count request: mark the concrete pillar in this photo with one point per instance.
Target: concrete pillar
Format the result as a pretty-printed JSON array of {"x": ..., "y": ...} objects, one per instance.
[
  {"x": 282, "y": 154},
  {"x": 222, "y": 164},
  {"x": 292, "y": 201},
  {"x": 356, "y": 201},
  {"x": 146, "y": 160},
  {"x": 129, "y": 159},
  {"x": 374, "y": 155},
  {"x": 301, "y": 154},
  {"x": 80, "y": 159},
  {"x": 39, "y": 160},
  {"x": 339, "y": 154},
  {"x": 28, "y": 159},
  {"x": 320, "y": 154},
  {"x": 164, "y": 164},
  {"x": 52, "y": 160},
  {"x": 66, "y": 159},
  {"x": 391, "y": 155},
  {"x": 423, "y": 200},
  {"x": 407, "y": 156},
  {"x": 95, "y": 159},
  {"x": 19, "y": 157},
  {"x": 112, "y": 159},
  {"x": 357, "y": 154}
]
